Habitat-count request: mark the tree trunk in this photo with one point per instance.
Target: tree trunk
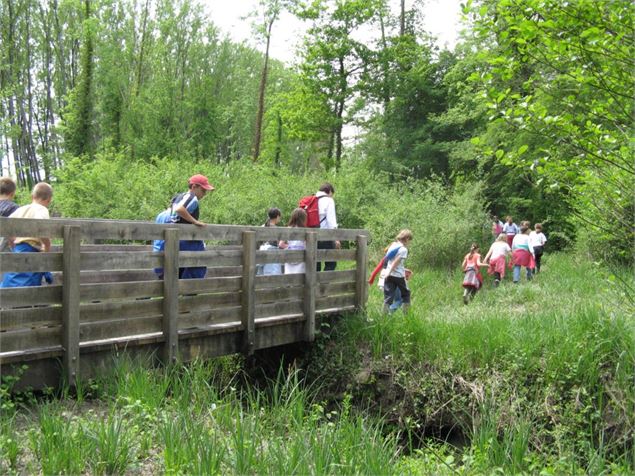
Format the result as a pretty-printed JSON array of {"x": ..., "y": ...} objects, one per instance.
[
  {"x": 402, "y": 19},
  {"x": 261, "y": 96}
]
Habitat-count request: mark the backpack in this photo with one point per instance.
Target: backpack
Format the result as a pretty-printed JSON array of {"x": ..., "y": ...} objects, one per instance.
[{"x": 310, "y": 205}]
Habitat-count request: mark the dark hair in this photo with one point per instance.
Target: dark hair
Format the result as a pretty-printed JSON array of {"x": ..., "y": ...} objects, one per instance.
[
  {"x": 298, "y": 218},
  {"x": 272, "y": 214},
  {"x": 473, "y": 248},
  {"x": 327, "y": 188},
  {"x": 7, "y": 186}
]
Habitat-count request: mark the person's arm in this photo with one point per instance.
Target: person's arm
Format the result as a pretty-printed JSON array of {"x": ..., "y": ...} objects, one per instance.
[
  {"x": 283, "y": 245},
  {"x": 331, "y": 220},
  {"x": 464, "y": 264},
  {"x": 181, "y": 211},
  {"x": 46, "y": 244},
  {"x": 394, "y": 264}
]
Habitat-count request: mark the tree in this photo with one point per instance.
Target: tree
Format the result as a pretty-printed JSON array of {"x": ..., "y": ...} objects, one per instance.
[{"x": 560, "y": 76}]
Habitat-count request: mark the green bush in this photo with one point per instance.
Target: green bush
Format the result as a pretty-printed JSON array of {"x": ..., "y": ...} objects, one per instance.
[{"x": 444, "y": 220}]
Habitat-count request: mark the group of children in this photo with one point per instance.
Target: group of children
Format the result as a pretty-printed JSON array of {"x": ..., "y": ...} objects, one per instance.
[
  {"x": 523, "y": 245},
  {"x": 41, "y": 198}
]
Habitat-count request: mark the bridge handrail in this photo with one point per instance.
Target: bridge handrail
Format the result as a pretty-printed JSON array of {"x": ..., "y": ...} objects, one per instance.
[{"x": 93, "y": 308}]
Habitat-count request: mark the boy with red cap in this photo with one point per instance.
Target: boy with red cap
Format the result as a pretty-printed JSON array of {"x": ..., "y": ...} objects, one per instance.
[{"x": 185, "y": 209}]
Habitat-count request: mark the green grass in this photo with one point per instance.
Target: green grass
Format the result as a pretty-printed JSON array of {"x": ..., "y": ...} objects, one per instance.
[
  {"x": 535, "y": 375},
  {"x": 527, "y": 379}
]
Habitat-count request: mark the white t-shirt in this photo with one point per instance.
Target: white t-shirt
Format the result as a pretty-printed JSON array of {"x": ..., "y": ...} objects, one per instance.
[
  {"x": 499, "y": 248},
  {"x": 400, "y": 270},
  {"x": 295, "y": 268},
  {"x": 521, "y": 242},
  {"x": 33, "y": 210},
  {"x": 326, "y": 209},
  {"x": 537, "y": 239}
]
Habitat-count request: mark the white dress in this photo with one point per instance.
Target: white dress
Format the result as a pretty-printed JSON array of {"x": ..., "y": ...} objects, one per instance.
[{"x": 295, "y": 268}]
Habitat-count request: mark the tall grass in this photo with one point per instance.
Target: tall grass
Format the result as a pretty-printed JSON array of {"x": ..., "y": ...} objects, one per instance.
[{"x": 529, "y": 374}]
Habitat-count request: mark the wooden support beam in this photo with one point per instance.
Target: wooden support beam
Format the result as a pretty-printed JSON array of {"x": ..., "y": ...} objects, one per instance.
[
  {"x": 70, "y": 303},
  {"x": 249, "y": 292},
  {"x": 310, "y": 280},
  {"x": 171, "y": 295},
  {"x": 361, "y": 293}
]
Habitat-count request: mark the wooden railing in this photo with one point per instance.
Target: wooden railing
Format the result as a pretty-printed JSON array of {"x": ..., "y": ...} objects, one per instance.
[{"x": 107, "y": 296}]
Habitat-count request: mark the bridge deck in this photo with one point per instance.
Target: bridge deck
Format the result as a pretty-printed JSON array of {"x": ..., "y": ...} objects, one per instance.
[{"x": 106, "y": 298}]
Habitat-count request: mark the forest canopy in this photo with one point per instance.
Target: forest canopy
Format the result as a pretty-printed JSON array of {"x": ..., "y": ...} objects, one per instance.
[{"x": 534, "y": 105}]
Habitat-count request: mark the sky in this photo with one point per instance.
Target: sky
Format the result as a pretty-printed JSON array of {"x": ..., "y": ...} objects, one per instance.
[{"x": 441, "y": 20}]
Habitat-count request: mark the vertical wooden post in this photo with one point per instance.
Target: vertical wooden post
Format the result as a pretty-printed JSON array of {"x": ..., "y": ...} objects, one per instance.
[
  {"x": 310, "y": 282},
  {"x": 361, "y": 291},
  {"x": 70, "y": 302},
  {"x": 249, "y": 292},
  {"x": 171, "y": 295}
]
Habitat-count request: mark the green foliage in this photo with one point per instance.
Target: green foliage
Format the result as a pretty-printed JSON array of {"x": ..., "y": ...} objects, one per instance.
[
  {"x": 559, "y": 80},
  {"x": 444, "y": 220}
]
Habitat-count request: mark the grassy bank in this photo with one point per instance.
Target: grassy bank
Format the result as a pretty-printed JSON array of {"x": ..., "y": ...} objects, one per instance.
[
  {"x": 528, "y": 376},
  {"x": 533, "y": 378}
]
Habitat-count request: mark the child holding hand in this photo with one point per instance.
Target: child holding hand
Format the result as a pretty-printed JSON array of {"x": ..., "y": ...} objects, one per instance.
[{"x": 472, "y": 280}]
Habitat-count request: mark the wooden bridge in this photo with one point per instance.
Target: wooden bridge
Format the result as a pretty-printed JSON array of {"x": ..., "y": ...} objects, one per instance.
[{"x": 106, "y": 298}]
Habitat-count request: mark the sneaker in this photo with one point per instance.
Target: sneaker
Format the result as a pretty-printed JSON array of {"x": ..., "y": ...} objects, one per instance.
[
  {"x": 496, "y": 283},
  {"x": 466, "y": 299}
]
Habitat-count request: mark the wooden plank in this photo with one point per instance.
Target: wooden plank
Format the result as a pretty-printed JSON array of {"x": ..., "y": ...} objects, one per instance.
[
  {"x": 279, "y": 309},
  {"x": 104, "y": 248},
  {"x": 113, "y": 276},
  {"x": 211, "y": 284},
  {"x": 207, "y": 301},
  {"x": 133, "y": 289},
  {"x": 309, "y": 286},
  {"x": 336, "y": 255},
  {"x": 361, "y": 291},
  {"x": 12, "y": 297},
  {"x": 70, "y": 304},
  {"x": 30, "y": 317},
  {"x": 248, "y": 291},
  {"x": 210, "y": 258},
  {"x": 95, "y": 229},
  {"x": 210, "y": 317},
  {"x": 279, "y": 256},
  {"x": 333, "y": 289},
  {"x": 171, "y": 295},
  {"x": 348, "y": 275},
  {"x": 224, "y": 271},
  {"x": 120, "y": 260},
  {"x": 280, "y": 280},
  {"x": 279, "y": 294},
  {"x": 106, "y": 310},
  {"x": 113, "y": 328},
  {"x": 27, "y": 339},
  {"x": 335, "y": 302},
  {"x": 30, "y": 262}
]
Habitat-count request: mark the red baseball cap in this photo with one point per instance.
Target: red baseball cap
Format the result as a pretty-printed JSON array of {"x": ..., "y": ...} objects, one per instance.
[{"x": 201, "y": 180}]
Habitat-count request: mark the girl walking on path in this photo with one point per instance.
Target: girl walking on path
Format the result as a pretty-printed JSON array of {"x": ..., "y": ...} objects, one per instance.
[
  {"x": 496, "y": 258},
  {"x": 396, "y": 272},
  {"x": 522, "y": 252},
  {"x": 472, "y": 280},
  {"x": 510, "y": 229},
  {"x": 298, "y": 219},
  {"x": 537, "y": 240},
  {"x": 274, "y": 215}
]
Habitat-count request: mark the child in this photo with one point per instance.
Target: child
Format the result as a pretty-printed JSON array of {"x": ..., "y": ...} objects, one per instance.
[
  {"x": 510, "y": 229},
  {"x": 7, "y": 194},
  {"x": 496, "y": 257},
  {"x": 473, "y": 280},
  {"x": 396, "y": 272},
  {"x": 298, "y": 220},
  {"x": 7, "y": 207},
  {"x": 41, "y": 196},
  {"x": 497, "y": 227},
  {"x": 537, "y": 240},
  {"x": 274, "y": 215},
  {"x": 522, "y": 252},
  {"x": 184, "y": 208}
]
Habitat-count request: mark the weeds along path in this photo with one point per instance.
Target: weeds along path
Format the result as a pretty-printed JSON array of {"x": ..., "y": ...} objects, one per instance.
[{"x": 539, "y": 371}]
